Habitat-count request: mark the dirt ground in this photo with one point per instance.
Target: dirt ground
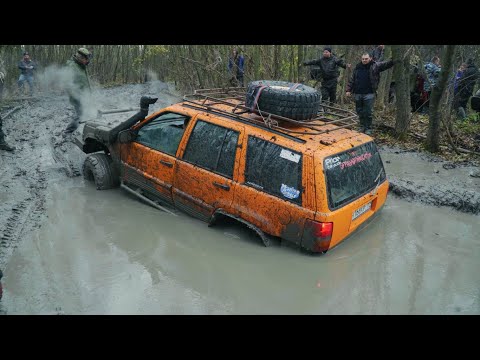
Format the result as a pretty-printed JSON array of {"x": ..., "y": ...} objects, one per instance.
[{"x": 40, "y": 160}]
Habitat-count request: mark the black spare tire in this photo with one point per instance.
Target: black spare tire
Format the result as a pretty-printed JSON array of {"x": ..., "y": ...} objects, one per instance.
[{"x": 290, "y": 100}]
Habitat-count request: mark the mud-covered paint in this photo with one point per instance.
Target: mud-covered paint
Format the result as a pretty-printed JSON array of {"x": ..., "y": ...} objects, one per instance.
[{"x": 293, "y": 232}]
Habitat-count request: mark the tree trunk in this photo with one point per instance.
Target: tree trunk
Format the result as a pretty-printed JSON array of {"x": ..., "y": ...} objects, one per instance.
[
  {"x": 433, "y": 135},
  {"x": 276, "y": 61},
  {"x": 291, "y": 65},
  {"x": 300, "y": 77},
  {"x": 199, "y": 77},
  {"x": 350, "y": 58},
  {"x": 400, "y": 75}
]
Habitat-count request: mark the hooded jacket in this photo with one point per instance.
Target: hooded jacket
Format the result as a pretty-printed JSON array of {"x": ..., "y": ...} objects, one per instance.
[{"x": 80, "y": 82}]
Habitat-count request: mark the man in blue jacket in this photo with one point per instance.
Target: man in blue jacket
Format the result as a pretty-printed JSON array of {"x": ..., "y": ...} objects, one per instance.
[
  {"x": 236, "y": 68},
  {"x": 26, "y": 66}
]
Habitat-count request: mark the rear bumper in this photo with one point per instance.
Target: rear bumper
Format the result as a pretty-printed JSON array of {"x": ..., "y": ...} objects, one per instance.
[
  {"x": 361, "y": 226},
  {"x": 310, "y": 243}
]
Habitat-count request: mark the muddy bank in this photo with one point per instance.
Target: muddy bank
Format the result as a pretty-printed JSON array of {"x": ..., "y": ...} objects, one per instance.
[
  {"x": 40, "y": 159},
  {"x": 429, "y": 179}
]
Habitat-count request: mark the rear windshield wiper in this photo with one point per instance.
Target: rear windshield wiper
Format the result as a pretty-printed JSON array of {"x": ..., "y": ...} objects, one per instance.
[{"x": 377, "y": 182}]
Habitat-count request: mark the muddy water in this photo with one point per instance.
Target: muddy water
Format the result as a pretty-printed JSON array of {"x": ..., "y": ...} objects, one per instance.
[{"x": 105, "y": 252}]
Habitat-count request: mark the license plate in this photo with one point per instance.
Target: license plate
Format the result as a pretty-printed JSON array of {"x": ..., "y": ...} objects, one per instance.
[{"x": 361, "y": 210}]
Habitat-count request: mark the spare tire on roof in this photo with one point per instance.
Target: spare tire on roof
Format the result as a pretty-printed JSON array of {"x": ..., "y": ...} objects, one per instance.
[{"x": 290, "y": 100}]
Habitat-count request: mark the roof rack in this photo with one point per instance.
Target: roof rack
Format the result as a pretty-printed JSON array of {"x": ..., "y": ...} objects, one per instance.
[{"x": 231, "y": 102}]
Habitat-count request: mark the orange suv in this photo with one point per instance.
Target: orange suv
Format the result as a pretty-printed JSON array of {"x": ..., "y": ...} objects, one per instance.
[{"x": 271, "y": 157}]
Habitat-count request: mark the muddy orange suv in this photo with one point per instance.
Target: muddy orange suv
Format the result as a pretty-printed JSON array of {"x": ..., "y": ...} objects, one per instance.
[{"x": 270, "y": 156}]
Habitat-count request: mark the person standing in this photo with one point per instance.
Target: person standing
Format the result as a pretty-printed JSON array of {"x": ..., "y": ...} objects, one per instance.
[
  {"x": 3, "y": 75},
  {"x": 79, "y": 87},
  {"x": 26, "y": 66},
  {"x": 328, "y": 74},
  {"x": 236, "y": 64},
  {"x": 457, "y": 101},
  {"x": 1, "y": 288},
  {"x": 378, "y": 52},
  {"x": 432, "y": 71},
  {"x": 466, "y": 84},
  {"x": 3, "y": 143},
  {"x": 364, "y": 84}
]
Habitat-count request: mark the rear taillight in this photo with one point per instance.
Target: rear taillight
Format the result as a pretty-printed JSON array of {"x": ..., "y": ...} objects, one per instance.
[
  {"x": 323, "y": 229},
  {"x": 317, "y": 235}
]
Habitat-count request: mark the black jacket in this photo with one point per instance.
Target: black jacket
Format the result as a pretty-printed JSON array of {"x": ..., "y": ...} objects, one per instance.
[
  {"x": 467, "y": 81},
  {"x": 328, "y": 67},
  {"x": 375, "y": 69}
]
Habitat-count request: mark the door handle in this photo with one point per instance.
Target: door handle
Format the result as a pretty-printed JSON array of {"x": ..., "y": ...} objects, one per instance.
[
  {"x": 166, "y": 163},
  {"x": 221, "y": 186}
]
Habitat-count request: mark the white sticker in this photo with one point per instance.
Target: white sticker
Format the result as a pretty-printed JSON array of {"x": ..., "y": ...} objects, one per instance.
[
  {"x": 289, "y": 192},
  {"x": 332, "y": 162},
  {"x": 286, "y": 154}
]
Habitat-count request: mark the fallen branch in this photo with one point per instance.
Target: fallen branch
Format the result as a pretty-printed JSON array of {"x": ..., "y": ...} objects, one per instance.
[
  {"x": 420, "y": 136},
  {"x": 11, "y": 112},
  {"x": 465, "y": 151},
  {"x": 449, "y": 136}
]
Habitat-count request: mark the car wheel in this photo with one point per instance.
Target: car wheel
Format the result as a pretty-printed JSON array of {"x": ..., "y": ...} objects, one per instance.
[
  {"x": 290, "y": 100},
  {"x": 101, "y": 169}
]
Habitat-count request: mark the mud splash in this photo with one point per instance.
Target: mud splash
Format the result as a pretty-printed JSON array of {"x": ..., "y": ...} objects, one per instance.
[{"x": 41, "y": 157}]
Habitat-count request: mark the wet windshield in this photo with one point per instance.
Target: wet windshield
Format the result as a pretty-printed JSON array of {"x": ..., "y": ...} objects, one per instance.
[{"x": 353, "y": 173}]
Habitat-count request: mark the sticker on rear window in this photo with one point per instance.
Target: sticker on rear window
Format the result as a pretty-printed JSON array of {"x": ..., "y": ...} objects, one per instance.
[
  {"x": 355, "y": 160},
  {"x": 289, "y": 192},
  {"x": 286, "y": 154},
  {"x": 332, "y": 162}
]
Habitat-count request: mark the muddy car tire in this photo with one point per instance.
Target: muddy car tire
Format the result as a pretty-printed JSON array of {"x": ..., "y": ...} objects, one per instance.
[
  {"x": 101, "y": 169},
  {"x": 290, "y": 100}
]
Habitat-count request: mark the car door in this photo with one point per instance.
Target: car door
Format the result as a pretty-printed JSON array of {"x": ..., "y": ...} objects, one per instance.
[
  {"x": 149, "y": 161},
  {"x": 270, "y": 191},
  {"x": 204, "y": 176}
]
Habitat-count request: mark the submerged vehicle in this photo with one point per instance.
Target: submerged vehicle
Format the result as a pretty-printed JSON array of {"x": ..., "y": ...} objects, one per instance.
[{"x": 270, "y": 156}]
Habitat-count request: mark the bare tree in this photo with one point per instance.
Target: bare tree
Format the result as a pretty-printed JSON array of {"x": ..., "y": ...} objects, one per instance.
[
  {"x": 433, "y": 135},
  {"x": 300, "y": 62},
  {"x": 402, "y": 90},
  {"x": 276, "y": 61}
]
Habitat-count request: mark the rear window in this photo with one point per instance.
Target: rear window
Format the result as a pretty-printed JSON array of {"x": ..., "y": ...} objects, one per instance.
[{"x": 353, "y": 173}]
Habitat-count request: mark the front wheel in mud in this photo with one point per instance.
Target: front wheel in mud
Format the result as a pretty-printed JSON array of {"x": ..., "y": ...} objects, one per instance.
[{"x": 101, "y": 169}]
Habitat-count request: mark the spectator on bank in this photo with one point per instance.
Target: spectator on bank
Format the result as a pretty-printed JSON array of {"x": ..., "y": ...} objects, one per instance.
[{"x": 27, "y": 66}]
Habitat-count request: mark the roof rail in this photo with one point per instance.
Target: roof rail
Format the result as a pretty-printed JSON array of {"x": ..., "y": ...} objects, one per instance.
[{"x": 231, "y": 102}]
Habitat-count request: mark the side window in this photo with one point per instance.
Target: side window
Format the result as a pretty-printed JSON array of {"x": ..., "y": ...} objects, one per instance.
[
  {"x": 274, "y": 169},
  {"x": 212, "y": 147},
  {"x": 163, "y": 133}
]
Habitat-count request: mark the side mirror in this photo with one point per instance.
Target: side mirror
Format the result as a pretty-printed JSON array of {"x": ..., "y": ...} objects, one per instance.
[{"x": 126, "y": 136}]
